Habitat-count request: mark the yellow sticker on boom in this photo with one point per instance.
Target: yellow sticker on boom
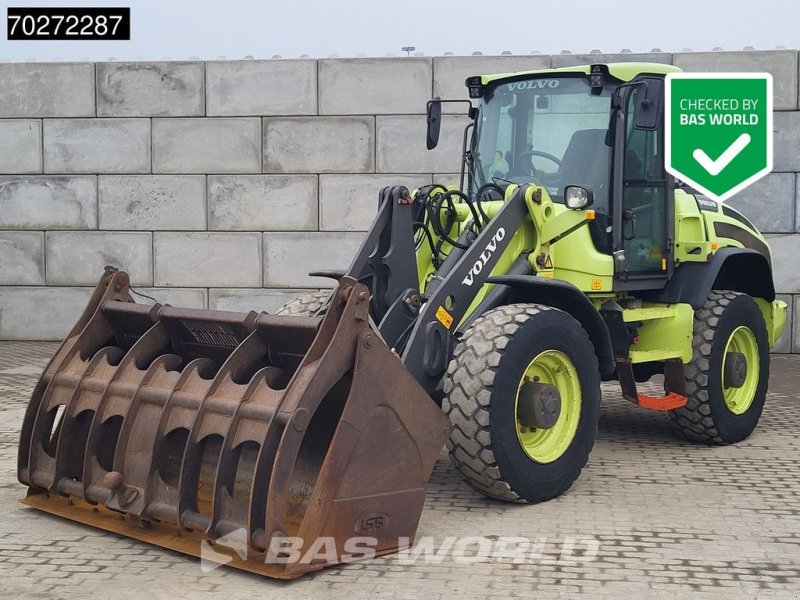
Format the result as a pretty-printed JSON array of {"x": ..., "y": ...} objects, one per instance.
[
  {"x": 548, "y": 262},
  {"x": 444, "y": 317}
]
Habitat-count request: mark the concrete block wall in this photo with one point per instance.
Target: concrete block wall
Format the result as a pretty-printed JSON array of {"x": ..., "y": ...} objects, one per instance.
[{"x": 221, "y": 184}]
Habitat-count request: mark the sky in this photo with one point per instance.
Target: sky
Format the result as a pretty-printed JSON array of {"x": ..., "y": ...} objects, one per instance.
[{"x": 208, "y": 29}]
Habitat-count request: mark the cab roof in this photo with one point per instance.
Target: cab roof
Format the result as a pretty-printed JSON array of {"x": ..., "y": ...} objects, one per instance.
[{"x": 624, "y": 71}]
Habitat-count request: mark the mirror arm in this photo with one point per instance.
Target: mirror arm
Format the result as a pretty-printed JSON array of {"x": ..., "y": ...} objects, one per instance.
[
  {"x": 466, "y": 156},
  {"x": 446, "y": 101}
]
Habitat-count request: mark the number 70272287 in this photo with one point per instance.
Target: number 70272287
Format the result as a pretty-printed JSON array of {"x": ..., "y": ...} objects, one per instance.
[{"x": 68, "y": 23}]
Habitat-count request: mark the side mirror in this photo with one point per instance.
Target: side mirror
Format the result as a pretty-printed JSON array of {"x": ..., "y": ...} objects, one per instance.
[
  {"x": 578, "y": 196},
  {"x": 434, "y": 123},
  {"x": 649, "y": 104}
]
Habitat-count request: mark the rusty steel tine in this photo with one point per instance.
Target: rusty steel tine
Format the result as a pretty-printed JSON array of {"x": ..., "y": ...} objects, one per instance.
[
  {"x": 298, "y": 386},
  {"x": 303, "y": 397},
  {"x": 248, "y": 425},
  {"x": 213, "y": 418},
  {"x": 113, "y": 407},
  {"x": 65, "y": 387},
  {"x": 161, "y": 494},
  {"x": 87, "y": 336},
  {"x": 134, "y": 456},
  {"x": 286, "y": 338},
  {"x": 88, "y": 395},
  {"x": 210, "y": 334},
  {"x": 78, "y": 416}
]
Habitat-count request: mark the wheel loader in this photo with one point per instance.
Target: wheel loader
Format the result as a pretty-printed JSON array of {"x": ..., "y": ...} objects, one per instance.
[{"x": 483, "y": 316}]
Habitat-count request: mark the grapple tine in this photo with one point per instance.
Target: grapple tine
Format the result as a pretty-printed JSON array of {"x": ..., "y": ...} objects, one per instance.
[
  {"x": 211, "y": 427},
  {"x": 113, "y": 406},
  {"x": 137, "y": 437},
  {"x": 92, "y": 332},
  {"x": 305, "y": 377},
  {"x": 57, "y": 408},
  {"x": 171, "y": 434},
  {"x": 67, "y": 470},
  {"x": 202, "y": 424}
]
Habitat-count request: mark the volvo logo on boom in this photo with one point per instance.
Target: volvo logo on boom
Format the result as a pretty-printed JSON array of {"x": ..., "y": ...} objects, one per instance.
[{"x": 484, "y": 258}]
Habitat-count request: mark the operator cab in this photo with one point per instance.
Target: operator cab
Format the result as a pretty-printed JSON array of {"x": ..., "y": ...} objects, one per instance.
[{"x": 585, "y": 127}]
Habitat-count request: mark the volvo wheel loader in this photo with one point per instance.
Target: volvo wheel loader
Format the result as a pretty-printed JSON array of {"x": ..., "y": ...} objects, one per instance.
[{"x": 483, "y": 316}]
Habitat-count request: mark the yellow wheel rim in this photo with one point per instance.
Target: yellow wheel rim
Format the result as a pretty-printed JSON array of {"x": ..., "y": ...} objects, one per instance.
[
  {"x": 547, "y": 445},
  {"x": 739, "y": 399}
]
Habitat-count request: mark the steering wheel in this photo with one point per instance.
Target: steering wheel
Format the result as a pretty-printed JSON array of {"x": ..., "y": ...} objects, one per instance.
[
  {"x": 493, "y": 187},
  {"x": 534, "y": 171}
]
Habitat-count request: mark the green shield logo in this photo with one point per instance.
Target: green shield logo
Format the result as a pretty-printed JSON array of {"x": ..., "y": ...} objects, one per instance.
[{"x": 719, "y": 130}]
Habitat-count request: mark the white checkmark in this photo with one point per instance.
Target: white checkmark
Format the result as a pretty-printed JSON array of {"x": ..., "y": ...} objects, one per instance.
[{"x": 714, "y": 167}]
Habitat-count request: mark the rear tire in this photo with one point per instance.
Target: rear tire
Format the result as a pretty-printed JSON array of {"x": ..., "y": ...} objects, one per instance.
[
  {"x": 489, "y": 445},
  {"x": 305, "y": 305},
  {"x": 716, "y": 414}
]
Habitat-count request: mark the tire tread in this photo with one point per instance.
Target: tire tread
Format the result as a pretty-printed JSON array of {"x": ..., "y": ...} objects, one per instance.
[
  {"x": 695, "y": 420},
  {"x": 468, "y": 388}
]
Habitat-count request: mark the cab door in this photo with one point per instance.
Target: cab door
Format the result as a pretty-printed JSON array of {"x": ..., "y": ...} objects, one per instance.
[{"x": 643, "y": 219}]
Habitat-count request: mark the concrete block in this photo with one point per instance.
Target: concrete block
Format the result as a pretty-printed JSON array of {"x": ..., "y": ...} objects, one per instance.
[
  {"x": 794, "y": 325},
  {"x": 47, "y": 90},
  {"x": 571, "y": 60},
  {"x": 785, "y": 249},
  {"x": 97, "y": 146},
  {"x": 350, "y": 202},
  {"x": 262, "y": 87},
  {"x": 48, "y": 202},
  {"x": 207, "y": 259},
  {"x": 180, "y": 297},
  {"x": 21, "y": 258},
  {"x": 20, "y": 146},
  {"x": 781, "y": 63},
  {"x": 206, "y": 145},
  {"x": 797, "y": 210},
  {"x": 150, "y": 89},
  {"x": 786, "y": 127},
  {"x": 319, "y": 145},
  {"x": 40, "y": 313},
  {"x": 768, "y": 203},
  {"x": 289, "y": 257},
  {"x": 450, "y": 72},
  {"x": 244, "y": 300},
  {"x": 262, "y": 202},
  {"x": 78, "y": 258},
  {"x": 447, "y": 179},
  {"x": 152, "y": 202},
  {"x": 783, "y": 345},
  {"x": 401, "y": 145},
  {"x": 358, "y": 86}
]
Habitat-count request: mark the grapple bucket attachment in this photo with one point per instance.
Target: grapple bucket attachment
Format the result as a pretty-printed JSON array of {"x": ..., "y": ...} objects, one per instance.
[{"x": 275, "y": 444}]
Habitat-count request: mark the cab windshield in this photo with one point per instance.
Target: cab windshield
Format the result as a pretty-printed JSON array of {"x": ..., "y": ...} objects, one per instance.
[{"x": 546, "y": 130}]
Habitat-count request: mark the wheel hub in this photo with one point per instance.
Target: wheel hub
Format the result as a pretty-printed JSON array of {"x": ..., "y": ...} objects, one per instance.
[
  {"x": 735, "y": 370},
  {"x": 740, "y": 370},
  {"x": 539, "y": 405}
]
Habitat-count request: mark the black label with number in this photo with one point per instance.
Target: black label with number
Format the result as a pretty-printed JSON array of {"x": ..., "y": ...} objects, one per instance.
[{"x": 69, "y": 23}]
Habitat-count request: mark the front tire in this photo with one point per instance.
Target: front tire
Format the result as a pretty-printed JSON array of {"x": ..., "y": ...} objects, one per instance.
[
  {"x": 724, "y": 408},
  {"x": 494, "y": 444}
]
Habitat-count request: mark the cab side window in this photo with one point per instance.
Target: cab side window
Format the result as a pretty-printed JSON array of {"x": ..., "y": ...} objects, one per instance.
[{"x": 644, "y": 198}]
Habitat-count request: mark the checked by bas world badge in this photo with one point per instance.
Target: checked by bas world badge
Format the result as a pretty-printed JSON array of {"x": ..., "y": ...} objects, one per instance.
[{"x": 719, "y": 130}]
